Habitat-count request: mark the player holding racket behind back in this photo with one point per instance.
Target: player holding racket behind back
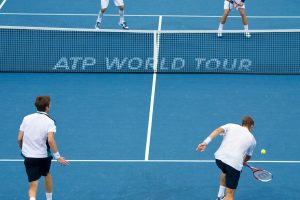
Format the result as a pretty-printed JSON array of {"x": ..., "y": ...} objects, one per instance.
[
  {"x": 228, "y": 6},
  {"x": 234, "y": 152}
]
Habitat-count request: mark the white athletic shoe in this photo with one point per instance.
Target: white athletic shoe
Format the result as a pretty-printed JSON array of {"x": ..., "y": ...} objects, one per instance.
[
  {"x": 97, "y": 25},
  {"x": 219, "y": 33},
  {"x": 124, "y": 25},
  {"x": 221, "y": 198}
]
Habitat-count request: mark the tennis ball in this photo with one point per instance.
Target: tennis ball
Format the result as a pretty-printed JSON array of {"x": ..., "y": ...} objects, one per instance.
[{"x": 263, "y": 151}]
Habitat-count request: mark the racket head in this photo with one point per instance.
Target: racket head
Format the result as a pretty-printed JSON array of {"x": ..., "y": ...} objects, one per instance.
[{"x": 262, "y": 175}]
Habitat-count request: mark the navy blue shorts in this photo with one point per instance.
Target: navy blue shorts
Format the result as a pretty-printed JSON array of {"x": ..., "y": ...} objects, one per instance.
[
  {"x": 37, "y": 167},
  {"x": 232, "y": 175}
]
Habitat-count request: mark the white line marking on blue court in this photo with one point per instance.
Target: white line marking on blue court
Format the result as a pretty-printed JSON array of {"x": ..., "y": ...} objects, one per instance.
[
  {"x": 150, "y": 117},
  {"x": 136, "y": 15},
  {"x": 2, "y": 4},
  {"x": 155, "y": 63},
  {"x": 163, "y": 161},
  {"x": 160, "y": 23}
]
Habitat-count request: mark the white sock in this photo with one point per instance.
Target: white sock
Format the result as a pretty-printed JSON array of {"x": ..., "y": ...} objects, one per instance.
[
  {"x": 49, "y": 196},
  {"x": 221, "y": 191},
  {"x": 246, "y": 28},
  {"x": 32, "y": 198},
  {"x": 100, "y": 16},
  {"x": 221, "y": 27},
  {"x": 121, "y": 12}
]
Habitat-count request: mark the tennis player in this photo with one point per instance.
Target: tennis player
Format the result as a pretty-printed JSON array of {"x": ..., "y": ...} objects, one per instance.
[
  {"x": 238, "y": 5},
  {"x": 104, "y": 5},
  {"x": 235, "y": 150},
  {"x": 36, "y": 139}
]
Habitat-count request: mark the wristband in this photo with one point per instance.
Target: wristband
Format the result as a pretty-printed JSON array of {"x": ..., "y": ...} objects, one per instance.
[
  {"x": 207, "y": 140},
  {"x": 56, "y": 155}
]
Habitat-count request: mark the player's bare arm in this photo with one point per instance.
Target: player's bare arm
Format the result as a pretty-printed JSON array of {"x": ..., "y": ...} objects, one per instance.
[
  {"x": 54, "y": 149},
  {"x": 201, "y": 147},
  {"x": 246, "y": 159},
  {"x": 20, "y": 139}
]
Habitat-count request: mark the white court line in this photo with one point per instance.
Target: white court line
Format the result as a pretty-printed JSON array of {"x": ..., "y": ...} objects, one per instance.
[
  {"x": 155, "y": 61},
  {"x": 163, "y": 161},
  {"x": 137, "y": 15},
  {"x": 2, "y": 4},
  {"x": 150, "y": 117},
  {"x": 160, "y": 23}
]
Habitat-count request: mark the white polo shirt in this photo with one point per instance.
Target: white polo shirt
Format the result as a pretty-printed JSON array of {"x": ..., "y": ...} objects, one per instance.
[
  {"x": 238, "y": 142},
  {"x": 36, "y": 127}
]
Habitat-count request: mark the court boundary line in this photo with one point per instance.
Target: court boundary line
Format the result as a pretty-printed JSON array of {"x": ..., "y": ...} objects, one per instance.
[
  {"x": 171, "y": 16},
  {"x": 2, "y": 4},
  {"x": 155, "y": 64},
  {"x": 161, "y": 161},
  {"x": 160, "y": 23}
]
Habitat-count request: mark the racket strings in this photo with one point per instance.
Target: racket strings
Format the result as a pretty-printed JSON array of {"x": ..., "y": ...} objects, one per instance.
[{"x": 263, "y": 175}]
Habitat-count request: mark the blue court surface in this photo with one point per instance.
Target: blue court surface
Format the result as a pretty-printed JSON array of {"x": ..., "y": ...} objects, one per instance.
[{"x": 132, "y": 136}]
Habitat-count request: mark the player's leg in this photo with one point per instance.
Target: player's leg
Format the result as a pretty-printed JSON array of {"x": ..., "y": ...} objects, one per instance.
[
  {"x": 229, "y": 194},
  {"x": 122, "y": 22},
  {"x": 32, "y": 166},
  {"x": 45, "y": 171},
  {"x": 33, "y": 186},
  {"x": 222, "y": 187},
  {"x": 232, "y": 180},
  {"x": 104, "y": 5},
  {"x": 121, "y": 12},
  {"x": 227, "y": 8},
  {"x": 245, "y": 21},
  {"x": 223, "y": 19},
  {"x": 48, "y": 186}
]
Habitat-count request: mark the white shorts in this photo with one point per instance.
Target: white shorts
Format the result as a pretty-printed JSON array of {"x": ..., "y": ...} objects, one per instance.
[
  {"x": 228, "y": 5},
  {"x": 104, "y": 3}
]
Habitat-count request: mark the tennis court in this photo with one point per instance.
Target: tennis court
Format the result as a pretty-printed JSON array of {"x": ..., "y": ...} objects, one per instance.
[{"x": 133, "y": 135}]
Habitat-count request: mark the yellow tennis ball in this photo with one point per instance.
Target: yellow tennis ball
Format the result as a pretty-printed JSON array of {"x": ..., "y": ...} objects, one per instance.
[{"x": 263, "y": 151}]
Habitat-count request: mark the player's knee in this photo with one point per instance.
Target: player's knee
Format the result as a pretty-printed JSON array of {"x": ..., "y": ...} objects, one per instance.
[
  {"x": 242, "y": 12},
  {"x": 121, "y": 8},
  {"x": 243, "y": 15},
  {"x": 103, "y": 10},
  {"x": 33, "y": 188},
  {"x": 225, "y": 15},
  {"x": 48, "y": 176},
  {"x": 33, "y": 184},
  {"x": 226, "y": 12}
]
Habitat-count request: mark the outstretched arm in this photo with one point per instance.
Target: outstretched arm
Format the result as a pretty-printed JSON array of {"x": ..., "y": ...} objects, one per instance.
[{"x": 201, "y": 147}]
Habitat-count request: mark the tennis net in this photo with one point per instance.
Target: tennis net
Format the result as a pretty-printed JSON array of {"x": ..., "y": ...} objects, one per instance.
[{"x": 33, "y": 49}]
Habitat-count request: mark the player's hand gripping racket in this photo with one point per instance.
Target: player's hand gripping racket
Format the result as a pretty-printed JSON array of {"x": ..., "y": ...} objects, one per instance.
[
  {"x": 260, "y": 174},
  {"x": 235, "y": 3}
]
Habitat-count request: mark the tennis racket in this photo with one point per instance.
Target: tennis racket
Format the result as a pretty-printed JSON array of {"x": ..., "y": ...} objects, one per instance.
[
  {"x": 261, "y": 174},
  {"x": 235, "y": 2}
]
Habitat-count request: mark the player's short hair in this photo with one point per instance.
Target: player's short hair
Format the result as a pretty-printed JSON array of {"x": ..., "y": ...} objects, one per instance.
[
  {"x": 247, "y": 121},
  {"x": 42, "y": 102}
]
